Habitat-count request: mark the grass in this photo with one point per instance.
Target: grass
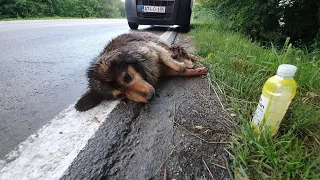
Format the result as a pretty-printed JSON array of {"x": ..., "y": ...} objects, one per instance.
[{"x": 241, "y": 68}]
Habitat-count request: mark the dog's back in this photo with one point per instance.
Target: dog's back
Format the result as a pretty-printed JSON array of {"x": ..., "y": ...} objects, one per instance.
[{"x": 124, "y": 39}]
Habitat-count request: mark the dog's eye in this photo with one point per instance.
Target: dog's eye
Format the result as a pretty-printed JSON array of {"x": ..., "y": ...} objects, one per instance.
[
  {"x": 120, "y": 96},
  {"x": 127, "y": 78}
]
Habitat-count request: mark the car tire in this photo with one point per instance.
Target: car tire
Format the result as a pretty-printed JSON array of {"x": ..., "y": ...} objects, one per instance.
[
  {"x": 133, "y": 25},
  {"x": 185, "y": 27}
]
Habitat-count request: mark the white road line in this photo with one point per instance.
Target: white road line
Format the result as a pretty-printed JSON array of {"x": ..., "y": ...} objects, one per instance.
[
  {"x": 168, "y": 36},
  {"x": 48, "y": 153}
]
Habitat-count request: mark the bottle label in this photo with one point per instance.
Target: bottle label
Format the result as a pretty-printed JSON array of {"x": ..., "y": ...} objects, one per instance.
[{"x": 261, "y": 109}]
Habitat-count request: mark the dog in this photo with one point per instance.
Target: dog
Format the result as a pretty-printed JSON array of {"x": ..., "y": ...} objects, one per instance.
[{"x": 130, "y": 66}]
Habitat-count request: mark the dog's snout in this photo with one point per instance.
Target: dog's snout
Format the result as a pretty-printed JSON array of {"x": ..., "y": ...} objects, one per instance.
[
  {"x": 149, "y": 96},
  {"x": 140, "y": 91}
]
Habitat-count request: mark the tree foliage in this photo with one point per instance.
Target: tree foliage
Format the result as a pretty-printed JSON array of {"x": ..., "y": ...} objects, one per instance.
[
  {"x": 272, "y": 20},
  {"x": 63, "y": 8}
]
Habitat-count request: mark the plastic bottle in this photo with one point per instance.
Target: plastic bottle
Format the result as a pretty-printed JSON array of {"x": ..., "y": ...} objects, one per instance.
[{"x": 276, "y": 97}]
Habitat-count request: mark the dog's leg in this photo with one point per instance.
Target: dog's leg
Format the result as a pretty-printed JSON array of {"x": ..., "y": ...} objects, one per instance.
[
  {"x": 181, "y": 54},
  {"x": 154, "y": 52},
  {"x": 166, "y": 54},
  {"x": 166, "y": 59},
  {"x": 189, "y": 64},
  {"x": 179, "y": 51},
  {"x": 167, "y": 71}
]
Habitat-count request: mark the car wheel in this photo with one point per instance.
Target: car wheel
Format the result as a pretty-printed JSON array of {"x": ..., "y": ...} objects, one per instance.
[
  {"x": 133, "y": 25},
  {"x": 185, "y": 28}
]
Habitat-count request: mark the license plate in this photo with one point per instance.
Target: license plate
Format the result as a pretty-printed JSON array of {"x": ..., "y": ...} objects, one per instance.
[{"x": 154, "y": 9}]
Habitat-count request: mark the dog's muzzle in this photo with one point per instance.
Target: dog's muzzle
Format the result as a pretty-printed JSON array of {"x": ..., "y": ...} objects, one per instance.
[{"x": 150, "y": 95}]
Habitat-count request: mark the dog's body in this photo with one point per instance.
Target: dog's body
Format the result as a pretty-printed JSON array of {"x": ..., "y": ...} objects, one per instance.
[{"x": 129, "y": 67}]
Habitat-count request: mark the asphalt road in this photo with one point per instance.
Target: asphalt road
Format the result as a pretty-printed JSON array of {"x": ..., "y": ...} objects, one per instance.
[{"x": 42, "y": 70}]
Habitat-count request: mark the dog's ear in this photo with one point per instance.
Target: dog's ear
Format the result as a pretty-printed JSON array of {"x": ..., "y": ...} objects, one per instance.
[{"x": 89, "y": 100}]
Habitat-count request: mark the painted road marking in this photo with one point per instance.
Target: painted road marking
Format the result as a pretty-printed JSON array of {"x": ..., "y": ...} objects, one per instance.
[
  {"x": 48, "y": 153},
  {"x": 169, "y": 35}
]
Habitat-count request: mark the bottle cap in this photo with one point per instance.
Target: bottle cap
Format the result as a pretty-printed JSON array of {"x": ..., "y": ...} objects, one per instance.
[{"x": 286, "y": 70}]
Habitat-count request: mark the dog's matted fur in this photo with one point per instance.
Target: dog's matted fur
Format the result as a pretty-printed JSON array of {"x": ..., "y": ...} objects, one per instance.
[{"x": 129, "y": 67}]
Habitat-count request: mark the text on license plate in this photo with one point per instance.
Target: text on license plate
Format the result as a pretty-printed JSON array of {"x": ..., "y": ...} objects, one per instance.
[{"x": 156, "y": 9}]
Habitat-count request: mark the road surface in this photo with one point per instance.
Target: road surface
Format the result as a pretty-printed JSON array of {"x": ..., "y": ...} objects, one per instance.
[
  {"x": 42, "y": 136},
  {"x": 43, "y": 64}
]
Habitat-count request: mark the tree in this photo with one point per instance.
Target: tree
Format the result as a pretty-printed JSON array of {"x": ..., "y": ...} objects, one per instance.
[{"x": 63, "y": 8}]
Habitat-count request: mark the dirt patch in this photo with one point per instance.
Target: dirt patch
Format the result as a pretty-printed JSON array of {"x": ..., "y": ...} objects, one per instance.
[
  {"x": 181, "y": 134},
  {"x": 201, "y": 128}
]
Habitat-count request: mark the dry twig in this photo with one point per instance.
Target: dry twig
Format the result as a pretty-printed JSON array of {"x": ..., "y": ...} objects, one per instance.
[
  {"x": 165, "y": 161},
  {"x": 222, "y": 106},
  {"x": 218, "y": 165},
  {"x": 165, "y": 174},
  {"x": 208, "y": 169},
  {"x": 96, "y": 119},
  {"x": 228, "y": 167},
  {"x": 191, "y": 133}
]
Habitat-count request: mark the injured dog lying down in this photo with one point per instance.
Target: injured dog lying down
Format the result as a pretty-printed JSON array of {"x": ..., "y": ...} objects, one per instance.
[{"x": 130, "y": 66}]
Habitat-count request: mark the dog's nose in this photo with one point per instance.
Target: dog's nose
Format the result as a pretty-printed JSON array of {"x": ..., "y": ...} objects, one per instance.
[{"x": 149, "y": 96}]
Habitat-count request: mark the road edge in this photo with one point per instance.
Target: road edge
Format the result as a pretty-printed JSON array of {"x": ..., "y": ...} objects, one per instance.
[{"x": 19, "y": 156}]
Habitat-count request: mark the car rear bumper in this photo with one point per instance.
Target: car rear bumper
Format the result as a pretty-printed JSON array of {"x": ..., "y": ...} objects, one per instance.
[
  {"x": 149, "y": 21},
  {"x": 178, "y": 12}
]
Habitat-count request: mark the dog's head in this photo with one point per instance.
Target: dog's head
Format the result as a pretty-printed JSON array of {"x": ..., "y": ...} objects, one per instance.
[{"x": 118, "y": 75}]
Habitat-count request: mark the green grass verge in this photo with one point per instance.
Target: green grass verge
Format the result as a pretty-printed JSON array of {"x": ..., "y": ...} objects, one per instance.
[{"x": 240, "y": 68}]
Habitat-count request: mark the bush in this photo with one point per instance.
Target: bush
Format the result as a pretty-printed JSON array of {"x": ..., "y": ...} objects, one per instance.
[
  {"x": 106, "y": 11},
  {"x": 63, "y": 8},
  {"x": 271, "y": 20},
  {"x": 301, "y": 21}
]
